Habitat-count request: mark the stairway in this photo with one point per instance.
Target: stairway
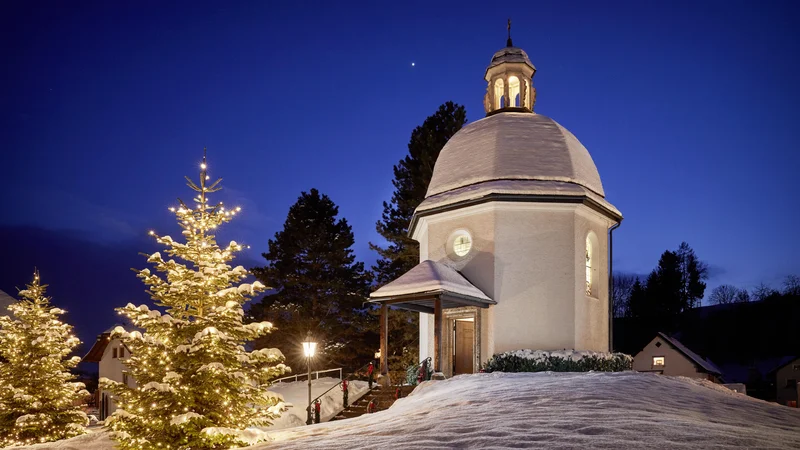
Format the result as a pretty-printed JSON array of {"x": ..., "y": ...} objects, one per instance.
[{"x": 383, "y": 397}]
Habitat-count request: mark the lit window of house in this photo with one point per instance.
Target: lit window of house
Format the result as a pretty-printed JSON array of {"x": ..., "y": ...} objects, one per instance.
[
  {"x": 462, "y": 244},
  {"x": 658, "y": 360}
]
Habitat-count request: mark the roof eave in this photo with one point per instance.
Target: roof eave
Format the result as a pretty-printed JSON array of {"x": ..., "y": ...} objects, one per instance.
[{"x": 535, "y": 198}]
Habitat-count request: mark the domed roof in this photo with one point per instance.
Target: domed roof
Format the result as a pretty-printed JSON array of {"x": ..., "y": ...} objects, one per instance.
[
  {"x": 510, "y": 55},
  {"x": 513, "y": 146}
]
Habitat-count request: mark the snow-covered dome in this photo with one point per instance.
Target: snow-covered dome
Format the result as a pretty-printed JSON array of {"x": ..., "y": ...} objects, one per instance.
[{"x": 513, "y": 146}]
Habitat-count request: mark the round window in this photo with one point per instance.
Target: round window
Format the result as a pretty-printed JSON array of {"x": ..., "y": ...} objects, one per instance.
[{"x": 462, "y": 244}]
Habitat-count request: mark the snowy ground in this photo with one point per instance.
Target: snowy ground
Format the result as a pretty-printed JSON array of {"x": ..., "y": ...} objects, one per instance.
[
  {"x": 547, "y": 410},
  {"x": 560, "y": 410},
  {"x": 295, "y": 394}
]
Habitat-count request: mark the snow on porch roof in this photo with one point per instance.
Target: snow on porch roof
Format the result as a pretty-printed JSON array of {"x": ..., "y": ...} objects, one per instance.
[{"x": 430, "y": 279}]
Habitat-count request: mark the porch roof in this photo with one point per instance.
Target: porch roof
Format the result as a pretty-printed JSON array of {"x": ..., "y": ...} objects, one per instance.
[{"x": 416, "y": 289}]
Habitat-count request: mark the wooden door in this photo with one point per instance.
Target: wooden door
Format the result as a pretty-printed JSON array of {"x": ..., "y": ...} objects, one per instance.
[{"x": 465, "y": 344}]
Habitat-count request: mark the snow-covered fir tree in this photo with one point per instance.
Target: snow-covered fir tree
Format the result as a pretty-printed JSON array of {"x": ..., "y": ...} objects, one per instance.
[
  {"x": 38, "y": 394},
  {"x": 198, "y": 387}
]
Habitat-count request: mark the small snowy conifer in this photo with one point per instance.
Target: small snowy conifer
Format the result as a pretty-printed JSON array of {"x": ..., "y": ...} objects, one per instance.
[
  {"x": 198, "y": 388},
  {"x": 37, "y": 391}
]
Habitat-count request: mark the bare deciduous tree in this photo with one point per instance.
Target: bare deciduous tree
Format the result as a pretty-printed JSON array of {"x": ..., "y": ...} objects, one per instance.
[
  {"x": 762, "y": 291},
  {"x": 791, "y": 285},
  {"x": 623, "y": 286},
  {"x": 723, "y": 294}
]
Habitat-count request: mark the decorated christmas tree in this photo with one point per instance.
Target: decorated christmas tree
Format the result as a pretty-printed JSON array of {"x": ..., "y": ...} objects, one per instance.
[
  {"x": 197, "y": 385},
  {"x": 37, "y": 393}
]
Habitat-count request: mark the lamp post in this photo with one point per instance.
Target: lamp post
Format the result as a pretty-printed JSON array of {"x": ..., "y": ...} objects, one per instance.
[{"x": 309, "y": 348}]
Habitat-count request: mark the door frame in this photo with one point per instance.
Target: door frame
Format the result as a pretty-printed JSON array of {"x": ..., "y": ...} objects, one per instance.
[{"x": 449, "y": 317}]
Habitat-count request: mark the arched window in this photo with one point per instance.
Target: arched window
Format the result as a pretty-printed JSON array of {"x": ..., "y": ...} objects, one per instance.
[
  {"x": 499, "y": 90},
  {"x": 592, "y": 264},
  {"x": 527, "y": 94},
  {"x": 513, "y": 90},
  {"x": 588, "y": 266}
]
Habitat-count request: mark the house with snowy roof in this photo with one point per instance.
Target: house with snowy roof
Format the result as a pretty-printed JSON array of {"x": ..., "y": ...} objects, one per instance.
[
  {"x": 514, "y": 236},
  {"x": 668, "y": 356},
  {"x": 6, "y": 301},
  {"x": 110, "y": 354},
  {"x": 786, "y": 377}
]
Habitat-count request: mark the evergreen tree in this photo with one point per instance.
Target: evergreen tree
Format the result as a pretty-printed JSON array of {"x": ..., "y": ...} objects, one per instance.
[
  {"x": 693, "y": 273},
  {"x": 198, "y": 388},
  {"x": 412, "y": 174},
  {"x": 664, "y": 286},
  {"x": 319, "y": 285},
  {"x": 411, "y": 178},
  {"x": 37, "y": 391},
  {"x": 638, "y": 305}
]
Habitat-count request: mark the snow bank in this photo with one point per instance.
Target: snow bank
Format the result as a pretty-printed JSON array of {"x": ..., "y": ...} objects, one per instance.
[
  {"x": 625, "y": 410},
  {"x": 98, "y": 440}
]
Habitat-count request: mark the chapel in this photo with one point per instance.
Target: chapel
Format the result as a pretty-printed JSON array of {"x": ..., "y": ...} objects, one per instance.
[{"x": 514, "y": 235}]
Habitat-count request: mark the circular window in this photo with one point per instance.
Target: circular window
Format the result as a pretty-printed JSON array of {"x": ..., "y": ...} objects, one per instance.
[{"x": 462, "y": 244}]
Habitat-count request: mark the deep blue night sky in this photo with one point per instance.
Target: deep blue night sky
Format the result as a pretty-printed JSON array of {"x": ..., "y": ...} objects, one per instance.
[{"x": 688, "y": 109}]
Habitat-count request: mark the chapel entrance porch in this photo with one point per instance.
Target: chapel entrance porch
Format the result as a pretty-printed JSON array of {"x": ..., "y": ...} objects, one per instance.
[{"x": 454, "y": 305}]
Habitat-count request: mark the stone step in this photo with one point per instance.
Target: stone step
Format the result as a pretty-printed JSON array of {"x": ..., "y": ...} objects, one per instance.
[{"x": 383, "y": 398}]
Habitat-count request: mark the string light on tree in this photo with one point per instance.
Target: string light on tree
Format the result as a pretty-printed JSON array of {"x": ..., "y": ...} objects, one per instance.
[
  {"x": 197, "y": 386},
  {"x": 38, "y": 393}
]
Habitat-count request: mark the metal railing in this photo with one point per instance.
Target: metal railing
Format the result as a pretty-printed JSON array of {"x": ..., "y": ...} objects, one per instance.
[
  {"x": 304, "y": 376},
  {"x": 412, "y": 373},
  {"x": 349, "y": 377}
]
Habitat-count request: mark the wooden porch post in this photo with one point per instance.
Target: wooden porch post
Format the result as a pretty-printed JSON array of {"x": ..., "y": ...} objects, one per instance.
[
  {"x": 437, "y": 334},
  {"x": 384, "y": 339}
]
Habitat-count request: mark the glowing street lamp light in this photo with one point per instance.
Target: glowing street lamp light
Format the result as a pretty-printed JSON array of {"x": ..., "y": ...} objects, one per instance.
[{"x": 309, "y": 349}]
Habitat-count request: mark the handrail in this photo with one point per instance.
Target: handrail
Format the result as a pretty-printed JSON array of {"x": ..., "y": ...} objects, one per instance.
[
  {"x": 280, "y": 380},
  {"x": 418, "y": 366},
  {"x": 340, "y": 382}
]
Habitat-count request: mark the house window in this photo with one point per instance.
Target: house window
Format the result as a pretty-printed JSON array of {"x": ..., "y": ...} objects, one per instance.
[
  {"x": 658, "y": 360},
  {"x": 462, "y": 244},
  {"x": 114, "y": 353},
  {"x": 122, "y": 352},
  {"x": 658, "y": 344},
  {"x": 125, "y": 379},
  {"x": 791, "y": 383}
]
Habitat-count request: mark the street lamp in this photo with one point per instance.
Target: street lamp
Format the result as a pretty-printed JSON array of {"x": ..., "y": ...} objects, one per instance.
[{"x": 309, "y": 348}]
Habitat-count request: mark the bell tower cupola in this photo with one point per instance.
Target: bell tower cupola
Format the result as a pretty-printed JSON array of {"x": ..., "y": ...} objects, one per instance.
[{"x": 510, "y": 80}]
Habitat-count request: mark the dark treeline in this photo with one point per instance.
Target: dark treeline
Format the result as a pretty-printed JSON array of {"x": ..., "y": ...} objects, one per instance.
[{"x": 745, "y": 331}]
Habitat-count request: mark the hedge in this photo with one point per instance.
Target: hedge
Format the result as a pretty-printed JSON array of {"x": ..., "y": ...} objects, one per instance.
[{"x": 558, "y": 361}]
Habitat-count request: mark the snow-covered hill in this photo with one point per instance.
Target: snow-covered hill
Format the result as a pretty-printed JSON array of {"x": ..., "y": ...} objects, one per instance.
[{"x": 626, "y": 410}]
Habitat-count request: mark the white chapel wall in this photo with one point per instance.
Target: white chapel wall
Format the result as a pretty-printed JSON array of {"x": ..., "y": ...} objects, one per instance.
[
  {"x": 477, "y": 265},
  {"x": 591, "y": 311},
  {"x": 534, "y": 276}
]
